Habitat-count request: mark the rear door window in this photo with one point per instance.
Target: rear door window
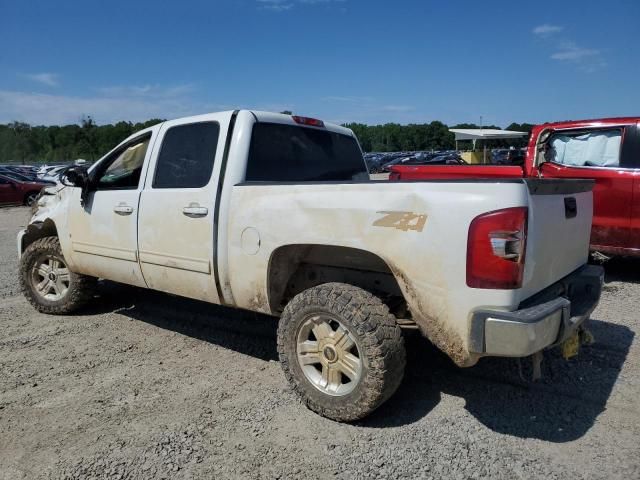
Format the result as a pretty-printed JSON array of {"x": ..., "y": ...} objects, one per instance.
[
  {"x": 187, "y": 155},
  {"x": 288, "y": 153}
]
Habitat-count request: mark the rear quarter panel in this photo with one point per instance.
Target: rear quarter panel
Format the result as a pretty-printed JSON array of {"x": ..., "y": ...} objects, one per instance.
[{"x": 429, "y": 264}]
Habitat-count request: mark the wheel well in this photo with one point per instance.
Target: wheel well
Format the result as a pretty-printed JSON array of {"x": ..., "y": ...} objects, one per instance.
[
  {"x": 295, "y": 268},
  {"x": 39, "y": 230}
]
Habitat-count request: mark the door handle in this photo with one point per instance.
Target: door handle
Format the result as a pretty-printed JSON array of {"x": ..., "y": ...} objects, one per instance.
[
  {"x": 123, "y": 209},
  {"x": 194, "y": 210}
]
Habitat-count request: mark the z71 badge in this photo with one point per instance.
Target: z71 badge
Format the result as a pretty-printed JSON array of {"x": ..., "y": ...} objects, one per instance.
[{"x": 402, "y": 221}]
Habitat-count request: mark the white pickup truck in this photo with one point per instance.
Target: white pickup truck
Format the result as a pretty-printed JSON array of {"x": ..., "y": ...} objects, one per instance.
[{"x": 277, "y": 214}]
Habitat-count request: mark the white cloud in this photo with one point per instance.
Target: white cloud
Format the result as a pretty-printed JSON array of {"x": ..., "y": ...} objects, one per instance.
[
  {"x": 346, "y": 109},
  {"x": 284, "y": 5},
  {"x": 573, "y": 53},
  {"x": 397, "y": 108},
  {"x": 348, "y": 99},
  {"x": 147, "y": 91},
  {"x": 588, "y": 59},
  {"x": 565, "y": 50},
  {"x": 48, "y": 79},
  {"x": 546, "y": 30},
  {"x": 46, "y": 109},
  {"x": 275, "y": 5}
]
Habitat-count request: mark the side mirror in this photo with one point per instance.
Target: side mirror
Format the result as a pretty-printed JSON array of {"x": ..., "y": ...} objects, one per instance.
[
  {"x": 78, "y": 176},
  {"x": 75, "y": 177}
]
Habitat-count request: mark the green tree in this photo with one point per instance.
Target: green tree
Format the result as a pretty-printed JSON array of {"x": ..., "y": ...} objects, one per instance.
[{"x": 25, "y": 143}]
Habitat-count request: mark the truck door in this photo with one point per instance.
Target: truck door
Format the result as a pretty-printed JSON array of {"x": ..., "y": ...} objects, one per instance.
[
  {"x": 103, "y": 231},
  {"x": 599, "y": 154},
  {"x": 177, "y": 207}
]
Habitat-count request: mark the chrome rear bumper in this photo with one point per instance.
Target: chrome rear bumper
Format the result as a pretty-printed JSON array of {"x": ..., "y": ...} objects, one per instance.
[{"x": 542, "y": 321}]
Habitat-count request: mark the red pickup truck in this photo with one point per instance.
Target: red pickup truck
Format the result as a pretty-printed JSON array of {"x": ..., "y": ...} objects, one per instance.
[{"x": 606, "y": 150}]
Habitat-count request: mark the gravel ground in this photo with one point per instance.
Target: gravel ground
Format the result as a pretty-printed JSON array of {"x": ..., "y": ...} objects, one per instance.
[{"x": 145, "y": 385}]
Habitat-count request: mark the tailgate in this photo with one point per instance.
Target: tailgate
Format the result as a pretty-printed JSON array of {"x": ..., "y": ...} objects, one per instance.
[{"x": 560, "y": 214}]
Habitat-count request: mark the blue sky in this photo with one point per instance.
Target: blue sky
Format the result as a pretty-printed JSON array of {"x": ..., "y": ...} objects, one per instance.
[{"x": 339, "y": 60}]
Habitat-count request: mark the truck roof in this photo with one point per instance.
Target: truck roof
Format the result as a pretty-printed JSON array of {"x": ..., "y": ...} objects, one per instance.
[
  {"x": 260, "y": 116},
  {"x": 594, "y": 122},
  {"x": 285, "y": 118}
]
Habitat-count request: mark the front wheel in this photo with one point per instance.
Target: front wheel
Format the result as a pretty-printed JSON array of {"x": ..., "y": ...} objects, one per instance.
[
  {"x": 341, "y": 350},
  {"x": 48, "y": 283}
]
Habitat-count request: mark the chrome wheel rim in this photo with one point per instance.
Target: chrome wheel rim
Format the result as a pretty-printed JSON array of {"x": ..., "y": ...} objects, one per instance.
[
  {"x": 329, "y": 355},
  {"x": 50, "y": 278}
]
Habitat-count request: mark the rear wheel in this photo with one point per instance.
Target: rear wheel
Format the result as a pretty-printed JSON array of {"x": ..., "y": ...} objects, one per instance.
[
  {"x": 48, "y": 283},
  {"x": 341, "y": 350}
]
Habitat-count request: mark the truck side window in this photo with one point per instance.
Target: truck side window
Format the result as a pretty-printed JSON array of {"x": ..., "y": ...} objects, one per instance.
[
  {"x": 187, "y": 155},
  {"x": 594, "y": 148},
  {"x": 124, "y": 167},
  {"x": 288, "y": 153}
]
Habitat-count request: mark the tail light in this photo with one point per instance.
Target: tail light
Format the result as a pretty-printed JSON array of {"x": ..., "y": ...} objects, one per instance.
[
  {"x": 496, "y": 249},
  {"x": 394, "y": 176},
  {"x": 312, "y": 122}
]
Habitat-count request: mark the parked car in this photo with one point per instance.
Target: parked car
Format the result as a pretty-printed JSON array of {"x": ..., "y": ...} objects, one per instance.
[
  {"x": 606, "y": 151},
  {"x": 23, "y": 177},
  {"x": 276, "y": 214},
  {"x": 10, "y": 170},
  {"x": 24, "y": 169},
  {"x": 13, "y": 191},
  {"x": 514, "y": 156},
  {"x": 422, "y": 158},
  {"x": 53, "y": 174}
]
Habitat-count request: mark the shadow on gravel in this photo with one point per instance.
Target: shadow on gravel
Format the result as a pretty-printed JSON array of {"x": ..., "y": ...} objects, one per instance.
[
  {"x": 239, "y": 330},
  {"x": 622, "y": 269},
  {"x": 559, "y": 408}
]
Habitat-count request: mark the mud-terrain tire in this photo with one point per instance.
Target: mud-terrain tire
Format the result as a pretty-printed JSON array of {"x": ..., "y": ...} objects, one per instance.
[
  {"x": 61, "y": 290},
  {"x": 355, "y": 372}
]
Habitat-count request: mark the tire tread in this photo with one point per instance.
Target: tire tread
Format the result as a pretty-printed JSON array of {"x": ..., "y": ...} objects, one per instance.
[
  {"x": 81, "y": 288},
  {"x": 379, "y": 334}
]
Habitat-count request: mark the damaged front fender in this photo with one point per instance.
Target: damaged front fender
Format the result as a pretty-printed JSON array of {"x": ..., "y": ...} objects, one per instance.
[{"x": 48, "y": 215}]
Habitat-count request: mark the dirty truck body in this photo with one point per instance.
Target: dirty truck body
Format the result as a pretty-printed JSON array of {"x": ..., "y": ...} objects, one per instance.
[{"x": 276, "y": 214}]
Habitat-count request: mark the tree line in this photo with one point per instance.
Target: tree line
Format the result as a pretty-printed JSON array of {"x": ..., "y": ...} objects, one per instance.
[
  {"x": 393, "y": 137},
  {"x": 23, "y": 143}
]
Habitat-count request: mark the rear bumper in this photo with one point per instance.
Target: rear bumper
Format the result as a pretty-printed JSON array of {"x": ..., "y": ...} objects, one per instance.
[{"x": 546, "y": 319}]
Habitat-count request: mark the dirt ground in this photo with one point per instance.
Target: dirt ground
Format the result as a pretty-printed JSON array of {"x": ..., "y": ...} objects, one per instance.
[{"x": 146, "y": 385}]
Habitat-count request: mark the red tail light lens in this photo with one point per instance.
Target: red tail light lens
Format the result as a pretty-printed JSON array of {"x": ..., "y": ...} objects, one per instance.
[
  {"x": 496, "y": 249},
  {"x": 312, "y": 122}
]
